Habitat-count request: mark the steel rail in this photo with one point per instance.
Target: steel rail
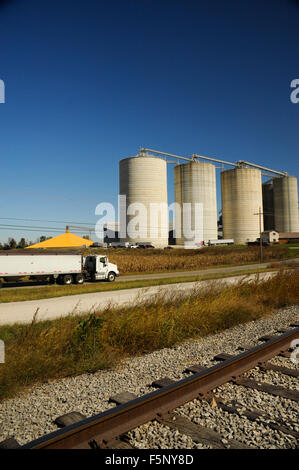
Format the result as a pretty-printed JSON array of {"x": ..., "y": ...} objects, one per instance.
[{"x": 112, "y": 423}]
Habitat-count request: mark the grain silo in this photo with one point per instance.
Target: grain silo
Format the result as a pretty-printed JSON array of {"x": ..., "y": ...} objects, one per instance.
[
  {"x": 285, "y": 195},
  {"x": 195, "y": 182},
  {"x": 241, "y": 200},
  {"x": 143, "y": 180},
  {"x": 268, "y": 205}
]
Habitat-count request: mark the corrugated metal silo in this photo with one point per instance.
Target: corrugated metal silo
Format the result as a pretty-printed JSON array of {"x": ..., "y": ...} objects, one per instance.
[
  {"x": 143, "y": 180},
  {"x": 285, "y": 193},
  {"x": 268, "y": 205},
  {"x": 241, "y": 199},
  {"x": 195, "y": 182}
]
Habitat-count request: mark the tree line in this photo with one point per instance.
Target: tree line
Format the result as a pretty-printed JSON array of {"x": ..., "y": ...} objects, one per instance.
[{"x": 12, "y": 244}]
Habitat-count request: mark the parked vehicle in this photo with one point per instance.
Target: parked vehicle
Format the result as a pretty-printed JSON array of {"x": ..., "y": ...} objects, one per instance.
[
  {"x": 55, "y": 267},
  {"x": 98, "y": 245},
  {"x": 119, "y": 245},
  {"x": 228, "y": 241},
  {"x": 145, "y": 245}
]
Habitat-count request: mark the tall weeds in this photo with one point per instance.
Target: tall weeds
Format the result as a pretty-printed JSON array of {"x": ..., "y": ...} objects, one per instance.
[{"x": 76, "y": 344}]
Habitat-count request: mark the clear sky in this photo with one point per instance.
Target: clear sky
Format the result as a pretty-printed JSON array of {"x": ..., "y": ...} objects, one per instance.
[{"x": 90, "y": 82}]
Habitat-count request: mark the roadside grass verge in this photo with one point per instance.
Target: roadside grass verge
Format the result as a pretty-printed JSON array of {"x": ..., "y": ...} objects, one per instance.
[
  {"x": 74, "y": 345},
  {"x": 36, "y": 293}
]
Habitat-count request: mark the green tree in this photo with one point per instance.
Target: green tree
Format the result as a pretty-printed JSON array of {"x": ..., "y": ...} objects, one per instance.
[
  {"x": 22, "y": 243},
  {"x": 43, "y": 238},
  {"x": 12, "y": 243}
]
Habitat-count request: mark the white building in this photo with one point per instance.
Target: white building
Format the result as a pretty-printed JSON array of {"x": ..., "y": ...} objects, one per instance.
[{"x": 270, "y": 236}]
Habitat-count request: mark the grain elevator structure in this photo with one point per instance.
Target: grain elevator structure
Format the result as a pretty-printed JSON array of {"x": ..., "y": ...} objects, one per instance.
[
  {"x": 195, "y": 184},
  {"x": 241, "y": 203},
  {"x": 249, "y": 205},
  {"x": 143, "y": 181}
]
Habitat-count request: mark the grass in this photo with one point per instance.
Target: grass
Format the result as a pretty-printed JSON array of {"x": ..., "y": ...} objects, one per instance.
[
  {"x": 83, "y": 344},
  {"x": 51, "y": 291}
]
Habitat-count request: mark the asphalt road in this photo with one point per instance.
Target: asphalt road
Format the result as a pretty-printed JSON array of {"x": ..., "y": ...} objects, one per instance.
[{"x": 23, "y": 312}]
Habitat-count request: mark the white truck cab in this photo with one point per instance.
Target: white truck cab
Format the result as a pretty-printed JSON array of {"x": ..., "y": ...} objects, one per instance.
[{"x": 98, "y": 267}]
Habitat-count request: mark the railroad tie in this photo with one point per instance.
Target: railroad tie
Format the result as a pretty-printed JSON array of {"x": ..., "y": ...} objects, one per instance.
[
  {"x": 122, "y": 398},
  {"x": 236, "y": 408},
  {"x": 9, "y": 443},
  {"x": 198, "y": 433},
  {"x": 160, "y": 383},
  {"x": 245, "y": 347},
  {"x": 121, "y": 442},
  {"x": 280, "y": 369},
  {"x": 195, "y": 368},
  {"x": 68, "y": 419},
  {"x": 256, "y": 415},
  {"x": 275, "y": 390},
  {"x": 267, "y": 337},
  {"x": 222, "y": 357}
]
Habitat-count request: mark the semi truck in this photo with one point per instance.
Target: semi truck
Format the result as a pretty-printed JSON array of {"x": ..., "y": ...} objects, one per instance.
[{"x": 60, "y": 268}]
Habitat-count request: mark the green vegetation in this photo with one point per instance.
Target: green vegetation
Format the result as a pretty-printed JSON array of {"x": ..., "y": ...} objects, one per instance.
[{"x": 77, "y": 344}]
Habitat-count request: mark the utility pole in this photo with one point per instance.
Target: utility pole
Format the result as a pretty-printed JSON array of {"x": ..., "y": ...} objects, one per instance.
[
  {"x": 260, "y": 230},
  {"x": 260, "y": 213},
  {"x": 261, "y": 241}
]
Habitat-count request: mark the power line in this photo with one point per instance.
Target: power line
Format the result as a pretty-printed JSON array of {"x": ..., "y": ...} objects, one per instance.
[
  {"x": 50, "y": 221},
  {"x": 58, "y": 230},
  {"x": 40, "y": 229}
]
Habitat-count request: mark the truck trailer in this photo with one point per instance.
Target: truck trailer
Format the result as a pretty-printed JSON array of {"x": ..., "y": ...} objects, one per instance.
[
  {"x": 220, "y": 241},
  {"x": 60, "y": 268}
]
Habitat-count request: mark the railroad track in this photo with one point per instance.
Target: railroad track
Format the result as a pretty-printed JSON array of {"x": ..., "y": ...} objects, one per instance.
[{"x": 109, "y": 429}]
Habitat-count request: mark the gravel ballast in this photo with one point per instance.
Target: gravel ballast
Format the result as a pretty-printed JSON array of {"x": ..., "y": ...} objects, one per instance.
[{"x": 31, "y": 414}]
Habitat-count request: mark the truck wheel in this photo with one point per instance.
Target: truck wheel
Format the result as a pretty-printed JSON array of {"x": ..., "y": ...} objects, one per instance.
[
  {"x": 111, "y": 277},
  {"x": 79, "y": 279},
  {"x": 67, "y": 279}
]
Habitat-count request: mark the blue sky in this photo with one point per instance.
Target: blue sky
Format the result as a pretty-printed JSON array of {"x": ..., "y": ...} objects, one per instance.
[{"x": 88, "y": 83}]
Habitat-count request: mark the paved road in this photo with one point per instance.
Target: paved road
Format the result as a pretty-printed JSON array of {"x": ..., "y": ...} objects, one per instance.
[{"x": 22, "y": 312}]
